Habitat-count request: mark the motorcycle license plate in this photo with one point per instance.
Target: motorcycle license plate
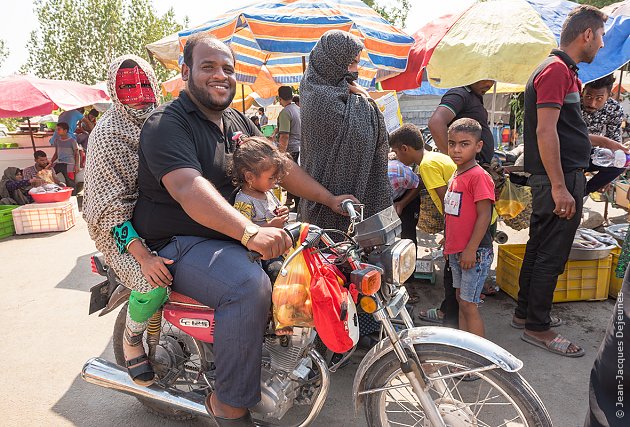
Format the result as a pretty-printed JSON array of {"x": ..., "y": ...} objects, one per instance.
[
  {"x": 398, "y": 302},
  {"x": 424, "y": 266},
  {"x": 99, "y": 296}
]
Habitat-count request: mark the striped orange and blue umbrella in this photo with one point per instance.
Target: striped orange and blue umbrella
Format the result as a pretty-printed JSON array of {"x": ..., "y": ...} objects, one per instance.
[{"x": 281, "y": 34}]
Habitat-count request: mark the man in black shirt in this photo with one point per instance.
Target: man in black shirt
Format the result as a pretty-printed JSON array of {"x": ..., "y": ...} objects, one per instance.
[
  {"x": 457, "y": 103},
  {"x": 183, "y": 212},
  {"x": 463, "y": 102}
]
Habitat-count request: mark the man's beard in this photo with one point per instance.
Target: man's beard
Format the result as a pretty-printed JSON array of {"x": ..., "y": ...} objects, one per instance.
[{"x": 206, "y": 99}]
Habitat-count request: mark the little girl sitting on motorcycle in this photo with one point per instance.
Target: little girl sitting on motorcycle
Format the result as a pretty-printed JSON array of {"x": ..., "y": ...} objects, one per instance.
[{"x": 257, "y": 166}]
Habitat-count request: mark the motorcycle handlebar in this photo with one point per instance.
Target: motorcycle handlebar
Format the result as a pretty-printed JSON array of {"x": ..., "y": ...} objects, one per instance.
[{"x": 348, "y": 206}]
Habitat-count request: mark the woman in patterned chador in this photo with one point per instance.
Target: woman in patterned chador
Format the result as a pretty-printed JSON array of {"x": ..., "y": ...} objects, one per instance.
[
  {"x": 344, "y": 139},
  {"x": 111, "y": 191}
]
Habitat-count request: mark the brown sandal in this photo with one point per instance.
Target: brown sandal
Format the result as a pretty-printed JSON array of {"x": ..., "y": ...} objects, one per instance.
[
  {"x": 559, "y": 345},
  {"x": 244, "y": 421}
]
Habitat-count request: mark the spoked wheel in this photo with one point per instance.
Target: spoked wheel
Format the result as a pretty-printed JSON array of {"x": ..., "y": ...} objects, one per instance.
[
  {"x": 495, "y": 398},
  {"x": 178, "y": 362}
]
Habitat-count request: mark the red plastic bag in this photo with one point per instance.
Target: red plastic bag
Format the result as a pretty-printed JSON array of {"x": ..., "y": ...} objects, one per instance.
[{"x": 334, "y": 313}]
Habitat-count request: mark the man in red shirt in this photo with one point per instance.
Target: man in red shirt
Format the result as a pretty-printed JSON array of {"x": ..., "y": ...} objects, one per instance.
[{"x": 557, "y": 151}]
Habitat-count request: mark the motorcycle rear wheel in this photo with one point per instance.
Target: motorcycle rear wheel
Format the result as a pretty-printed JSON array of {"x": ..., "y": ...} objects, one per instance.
[
  {"x": 167, "y": 332},
  {"x": 509, "y": 398}
]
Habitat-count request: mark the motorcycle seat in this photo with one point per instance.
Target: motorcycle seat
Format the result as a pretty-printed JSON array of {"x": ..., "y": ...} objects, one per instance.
[{"x": 176, "y": 297}]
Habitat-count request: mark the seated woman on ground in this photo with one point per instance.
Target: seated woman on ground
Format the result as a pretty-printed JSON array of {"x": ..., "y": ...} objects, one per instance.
[{"x": 14, "y": 189}]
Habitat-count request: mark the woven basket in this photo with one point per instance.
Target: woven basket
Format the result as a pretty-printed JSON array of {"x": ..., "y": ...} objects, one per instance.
[{"x": 430, "y": 220}]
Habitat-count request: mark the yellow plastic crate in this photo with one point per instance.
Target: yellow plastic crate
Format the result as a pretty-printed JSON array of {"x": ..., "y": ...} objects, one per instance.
[
  {"x": 581, "y": 280},
  {"x": 615, "y": 282}
]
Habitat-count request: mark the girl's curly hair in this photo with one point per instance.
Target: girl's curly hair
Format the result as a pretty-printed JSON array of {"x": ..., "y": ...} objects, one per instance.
[{"x": 255, "y": 154}]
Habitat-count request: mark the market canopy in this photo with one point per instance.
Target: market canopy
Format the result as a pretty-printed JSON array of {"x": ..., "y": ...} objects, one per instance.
[
  {"x": 264, "y": 87},
  {"x": 24, "y": 96},
  {"x": 281, "y": 34},
  {"x": 502, "y": 40}
]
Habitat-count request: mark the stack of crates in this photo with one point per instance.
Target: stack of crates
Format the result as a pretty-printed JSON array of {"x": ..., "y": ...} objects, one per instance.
[
  {"x": 581, "y": 280},
  {"x": 7, "y": 228}
]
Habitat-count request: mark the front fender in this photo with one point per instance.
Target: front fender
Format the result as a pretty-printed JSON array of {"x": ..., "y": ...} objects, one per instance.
[{"x": 436, "y": 335}]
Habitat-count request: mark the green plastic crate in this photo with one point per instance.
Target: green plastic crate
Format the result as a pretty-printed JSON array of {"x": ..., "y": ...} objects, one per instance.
[{"x": 6, "y": 221}]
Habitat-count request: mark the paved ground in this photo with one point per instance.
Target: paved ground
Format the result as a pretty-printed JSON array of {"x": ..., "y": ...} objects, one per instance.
[{"x": 47, "y": 336}]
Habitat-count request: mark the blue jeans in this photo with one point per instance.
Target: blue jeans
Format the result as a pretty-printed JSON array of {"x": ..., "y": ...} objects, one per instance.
[
  {"x": 470, "y": 282},
  {"x": 220, "y": 275}
]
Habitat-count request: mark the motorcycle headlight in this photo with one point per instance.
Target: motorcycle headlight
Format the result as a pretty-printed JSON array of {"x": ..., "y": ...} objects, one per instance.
[{"x": 399, "y": 261}]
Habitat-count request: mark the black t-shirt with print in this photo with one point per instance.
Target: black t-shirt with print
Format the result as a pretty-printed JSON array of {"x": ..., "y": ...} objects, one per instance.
[
  {"x": 177, "y": 136},
  {"x": 464, "y": 103}
]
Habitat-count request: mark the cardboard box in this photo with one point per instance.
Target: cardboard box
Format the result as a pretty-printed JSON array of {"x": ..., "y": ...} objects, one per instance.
[{"x": 621, "y": 191}]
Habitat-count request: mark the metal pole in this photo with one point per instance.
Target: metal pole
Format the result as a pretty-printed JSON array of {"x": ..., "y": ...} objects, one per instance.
[
  {"x": 494, "y": 104},
  {"x": 243, "y": 96},
  {"x": 30, "y": 131},
  {"x": 620, "y": 82},
  {"x": 303, "y": 64}
]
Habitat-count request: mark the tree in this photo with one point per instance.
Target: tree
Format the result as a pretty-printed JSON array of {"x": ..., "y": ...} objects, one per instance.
[
  {"x": 397, "y": 14},
  {"x": 4, "y": 52},
  {"x": 598, "y": 3},
  {"x": 76, "y": 39}
]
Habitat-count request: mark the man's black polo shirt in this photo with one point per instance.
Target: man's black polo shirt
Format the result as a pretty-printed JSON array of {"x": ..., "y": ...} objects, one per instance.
[
  {"x": 176, "y": 136},
  {"x": 554, "y": 84},
  {"x": 465, "y": 103}
]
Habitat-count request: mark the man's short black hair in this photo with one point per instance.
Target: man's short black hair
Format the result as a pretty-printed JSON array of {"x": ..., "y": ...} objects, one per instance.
[
  {"x": 296, "y": 99},
  {"x": 409, "y": 135},
  {"x": 254, "y": 119},
  {"x": 580, "y": 19},
  {"x": 466, "y": 125},
  {"x": 39, "y": 154},
  {"x": 261, "y": 109},
  {"x": 93, "y": 112},
  {"x": 63, "y": 125},
  {"x": 604, "y": 82},
  {"x": 197, "y": 38},
  {"x": 285, "y": 93}
]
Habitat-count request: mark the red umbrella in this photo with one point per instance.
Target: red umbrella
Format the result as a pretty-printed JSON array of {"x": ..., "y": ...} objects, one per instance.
[
  {"x": 426, "y": 39},
  {"x": 27, "y": 96}
]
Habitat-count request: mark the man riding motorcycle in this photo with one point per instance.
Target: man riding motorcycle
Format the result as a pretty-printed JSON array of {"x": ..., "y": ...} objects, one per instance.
[{"x": 184, "y": 214}]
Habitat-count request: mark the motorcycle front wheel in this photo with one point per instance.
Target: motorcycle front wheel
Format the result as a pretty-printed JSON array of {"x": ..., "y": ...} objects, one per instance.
[{"x": 489, "y": 398}]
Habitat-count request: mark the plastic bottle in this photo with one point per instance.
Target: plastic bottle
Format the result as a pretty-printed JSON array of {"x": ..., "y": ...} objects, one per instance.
[{"x": 607, "y": 158}]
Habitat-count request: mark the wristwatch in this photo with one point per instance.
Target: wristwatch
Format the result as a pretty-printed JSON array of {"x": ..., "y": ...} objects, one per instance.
[{"x": 249, "y": 232}]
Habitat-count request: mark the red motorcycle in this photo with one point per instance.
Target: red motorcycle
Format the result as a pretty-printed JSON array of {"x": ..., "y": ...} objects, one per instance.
[{"x": 413, "y": 376}]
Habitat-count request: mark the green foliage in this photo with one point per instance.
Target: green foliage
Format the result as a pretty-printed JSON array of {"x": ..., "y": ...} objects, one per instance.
[
  {"x": 598, "y": 3},
  {"x": 4, "y": 52},
  {"x": 77, "y": 39},
  {"x": 517, "y": 106},
  {"x": 397, "y": 15},
  {"x": 12, "y": 123}
]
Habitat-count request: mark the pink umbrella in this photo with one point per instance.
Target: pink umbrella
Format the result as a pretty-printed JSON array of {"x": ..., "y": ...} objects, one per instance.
[
  {"x": 27, "y": 96},
  {"x": 22, "y": 96}
]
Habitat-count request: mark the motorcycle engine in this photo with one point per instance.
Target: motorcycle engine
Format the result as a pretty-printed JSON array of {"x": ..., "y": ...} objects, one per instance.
[{"x": 285, "y": 365}]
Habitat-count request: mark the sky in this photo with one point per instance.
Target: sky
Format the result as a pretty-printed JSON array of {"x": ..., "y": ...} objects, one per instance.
[{"x": 19, "y": 20}]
